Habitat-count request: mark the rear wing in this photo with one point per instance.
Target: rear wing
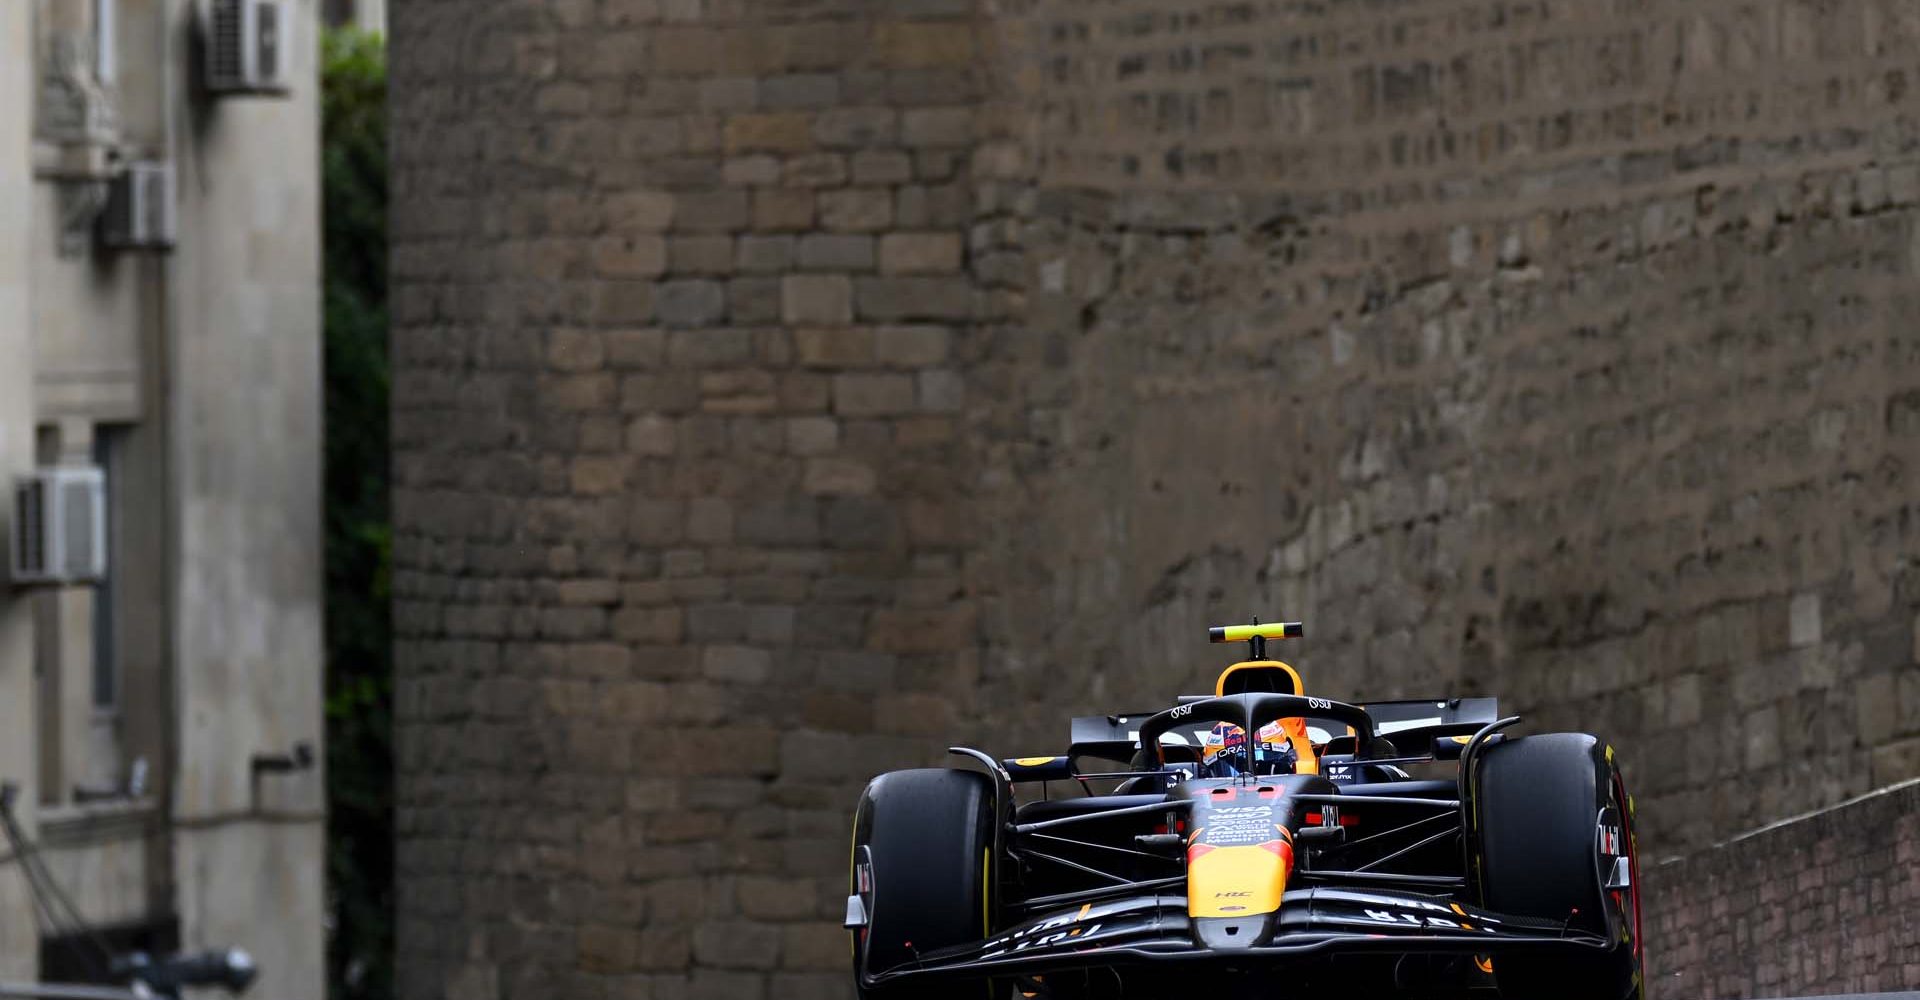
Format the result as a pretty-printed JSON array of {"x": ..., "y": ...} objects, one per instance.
[
  {"x": 1435, "y": 717},
  {"x": 1409, "y": 724}
]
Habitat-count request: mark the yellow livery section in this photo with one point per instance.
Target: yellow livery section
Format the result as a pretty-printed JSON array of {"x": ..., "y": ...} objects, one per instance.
[
  {"x": 1247, "y": 633},
  {"x": 1238, "y": 881}
]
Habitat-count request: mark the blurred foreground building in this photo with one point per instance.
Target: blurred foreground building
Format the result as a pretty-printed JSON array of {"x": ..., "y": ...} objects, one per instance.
[
  {"x": 160, "y": 611},
  {"x": 785, "y": 390}
]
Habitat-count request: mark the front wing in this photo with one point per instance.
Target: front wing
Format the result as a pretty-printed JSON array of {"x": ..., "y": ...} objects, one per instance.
[{"x": 1312, "y": 924}]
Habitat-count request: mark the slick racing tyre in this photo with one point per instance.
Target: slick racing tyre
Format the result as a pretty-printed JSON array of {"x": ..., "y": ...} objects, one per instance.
[
  {"x": 922, "y": 865},
  {"x": 1553, "y": 824}
]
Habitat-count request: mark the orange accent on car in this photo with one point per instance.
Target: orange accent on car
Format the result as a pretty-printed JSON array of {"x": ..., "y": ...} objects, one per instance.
[{"x": 1237, "y": 881}]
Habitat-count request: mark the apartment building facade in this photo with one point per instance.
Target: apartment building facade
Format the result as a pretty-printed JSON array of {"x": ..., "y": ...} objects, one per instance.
[{"x": 160, "y": 613}]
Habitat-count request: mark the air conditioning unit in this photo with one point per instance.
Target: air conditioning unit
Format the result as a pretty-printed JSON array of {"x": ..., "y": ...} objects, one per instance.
[
  {"x": 140, "y": 208},
  {"x": 60, "y": 526},
  {"x": 247, "y": 46}
]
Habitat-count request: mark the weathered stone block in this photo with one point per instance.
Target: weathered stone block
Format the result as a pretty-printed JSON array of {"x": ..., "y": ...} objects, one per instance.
[
  {"x": 737, "y": 664},
  {"x": 710, "y": 211},
  {"x": 710, "y": 520},
  {"x": 919, "y": 253},
  {"x": 941, "y": 391},
  {"x": 937, "y": 127},
  {"x": 1803, "y": 621},
  {"x": 815, "y": 170},
  {"x": 825, "y": 299},
  {"x": 856, "y": 127},
  {"x": 764, "y": 254},
  {"x": 636, "y": 348},
  {"x": 782, "y": 209},
  {"x": 771, "y": 131},
  {"x": 639, "y": 211},
  {"x": 648, "y": 625},
  {"x": 838, "y": 476},
  {"x": 922, "y": 206},
  {"x": 608, "y": 949},
  {"x": 920, "y": 45},
  {"x": 857, "y": 522},
  {"x": 709, "y": 348},
  {"x": 637, "y": 256},
  {"x": 653, "y": 393},
  {"x": 913, "y": 346},
  {"x": 801, "y": 90},
  {"x": 856, "y": 209},
  {"x": 813, "y": 435},
  {"x": 1875, "y": 706},
  {"x": 577, "y": 393},
  {"x": 778, "y": 521},
  {"x": 596, "y": 475},
  {"x": 834, "y": 347},
  {"x": 866, "y": 395},
  {"x": 704, "y": 254},
  {"x": 751, "y": 170},
  {"x": 656, "y": 522},
  {"x": 776, "y": 899},
  {"x": 623, "y": 302},
  {"x": 896, "y": 299},
  {"x": 738, "y": 945},
  {"x": 689, "y": 303},
  {"x": 576, "y": 350},
  {"x": 753, "y": 300},
  {"x": 836, "y": 252},
  {"x": 881, "y": 166}
]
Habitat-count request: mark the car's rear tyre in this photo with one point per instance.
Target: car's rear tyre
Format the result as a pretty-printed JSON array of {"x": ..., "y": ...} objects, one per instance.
[
  {"x": 925, "y": 841},
  {"x": 1548, "y": 810}
]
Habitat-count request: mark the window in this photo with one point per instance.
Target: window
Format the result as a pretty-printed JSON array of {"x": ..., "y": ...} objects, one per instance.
[
  {"x": 79, "y": 647},
  {"x": 106, "y": 667},
  {"x": 106, "y": 53}
]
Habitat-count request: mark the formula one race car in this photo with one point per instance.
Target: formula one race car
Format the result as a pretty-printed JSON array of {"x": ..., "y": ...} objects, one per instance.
[{"x": 1259, "y": 841}]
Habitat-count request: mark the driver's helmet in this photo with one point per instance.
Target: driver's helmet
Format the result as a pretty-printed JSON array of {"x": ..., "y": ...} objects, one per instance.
[{"x": 1224, "y": 751}]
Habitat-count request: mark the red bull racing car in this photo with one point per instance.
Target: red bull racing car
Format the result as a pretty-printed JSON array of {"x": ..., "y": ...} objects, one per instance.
[{"x": 1260, "y": 841}]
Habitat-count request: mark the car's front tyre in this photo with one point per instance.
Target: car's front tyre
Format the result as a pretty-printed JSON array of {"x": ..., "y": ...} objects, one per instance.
[
  {"x": 923, "y": 866},
  {"x": 1553, "y": 821}
]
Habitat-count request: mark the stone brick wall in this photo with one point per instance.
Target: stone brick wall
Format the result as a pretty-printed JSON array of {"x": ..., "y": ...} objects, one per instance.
[
  {"x": 1558, "y": 351},
  {"x": 1826, "y": 903},
  {"x": 680, "y": 307},
  {"x": 787, "y": 388}
]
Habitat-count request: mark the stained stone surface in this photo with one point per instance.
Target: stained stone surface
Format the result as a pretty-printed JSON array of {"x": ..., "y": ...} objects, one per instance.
[{"x": 786, "y": 389}]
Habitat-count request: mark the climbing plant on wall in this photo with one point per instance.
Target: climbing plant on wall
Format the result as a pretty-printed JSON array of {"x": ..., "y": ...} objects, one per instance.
[{"x": 359, "y": 634}]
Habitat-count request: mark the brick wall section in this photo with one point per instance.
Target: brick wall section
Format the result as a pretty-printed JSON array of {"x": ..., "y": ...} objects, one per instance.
[
  {"x": 1558, "y": 351},
  {"x": 680, "y": 298},
  {"x": 1827, "y": 903},
  {"x": 922, "y": 369}
]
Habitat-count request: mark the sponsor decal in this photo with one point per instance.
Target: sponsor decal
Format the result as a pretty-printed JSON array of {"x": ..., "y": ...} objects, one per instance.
[
  {"x": 1229, "y": 740},
  {"x": 1424, "y": 915},
  {"x": 1229, "y": 826},
  {"x": 1386, "y": 917},
  {"x": 1051, "y": 931}
]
